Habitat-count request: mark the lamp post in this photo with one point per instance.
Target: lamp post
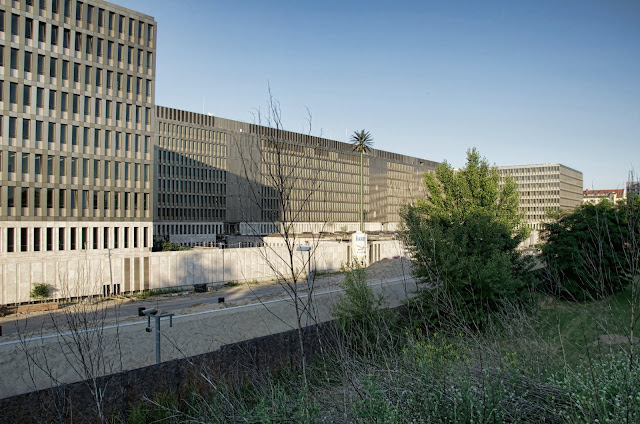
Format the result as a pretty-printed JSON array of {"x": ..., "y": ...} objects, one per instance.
[
  {"x": 308, "y": 250},
  {"x": 153, "y": 311}
]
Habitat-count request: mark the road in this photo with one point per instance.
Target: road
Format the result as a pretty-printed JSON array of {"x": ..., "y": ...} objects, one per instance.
[{"x": 43, "y": 358}]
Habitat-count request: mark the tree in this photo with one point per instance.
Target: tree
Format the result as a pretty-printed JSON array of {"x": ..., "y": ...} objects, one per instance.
[
  {"x": 362, "y": 142},
  {"x": 463, "y": 238},
  {"x": 588, "y": 249}
]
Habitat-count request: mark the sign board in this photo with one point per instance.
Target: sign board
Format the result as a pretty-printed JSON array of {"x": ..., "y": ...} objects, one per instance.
[{"x": 359, "y": 248}]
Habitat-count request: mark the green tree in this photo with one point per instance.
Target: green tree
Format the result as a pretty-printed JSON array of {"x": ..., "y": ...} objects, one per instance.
[
  {"x": 463, "y": 238},
  {"x": 589, "y": 250},
  {"x": 362, "y": 142}
]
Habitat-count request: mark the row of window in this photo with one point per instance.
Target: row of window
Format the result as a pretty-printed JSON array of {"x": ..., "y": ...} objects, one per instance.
[
  {"x": 76, "y": 199},
  {"x": 181, "y": 213},
  {"x": 135, "y": 58},
  {"x": 187, "y": 229},
  {"x": 185, "y": 186},
  {"x": 192, "y": 201},
  {"x": 137, "y": 88},
  {"x": 40, "y": 239},
  {"x": 76, "y": 167},
  {"x": 75, "y": 135},
  {"x": 106, "y": 22}
]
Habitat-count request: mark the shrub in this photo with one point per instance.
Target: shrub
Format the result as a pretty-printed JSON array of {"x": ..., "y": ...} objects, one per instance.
[
  {"x": 462, "y": 238},
  {"x": 588, "y": 249},
  {"x": 40, "y": 291}
]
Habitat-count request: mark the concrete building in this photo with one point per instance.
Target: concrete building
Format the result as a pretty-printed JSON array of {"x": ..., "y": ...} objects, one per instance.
[
  {"x": 597, "y": 196},
  {"x": 544, "y": 188},
  {"x": 217, "y": 176},
  {"x": 76, "y": 126}
]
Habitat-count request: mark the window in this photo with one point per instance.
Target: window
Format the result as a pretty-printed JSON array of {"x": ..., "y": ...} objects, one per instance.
[
  {"x": 28, "y": 28},
  {"x": 15, "y": 25},
  {"x": 75, "y": 104},
  {"x": 12, "y": 127},
  {"x": 74, "y": 167},
  {"x": 52, "y": 99},
  {"x": 11, "y": 162},
  {"x": 27, "y": 61},
  {"x": 64, "y": 101},
  {"x": 53, "y": 67},
  {"x": 78, "y": 13},
  {"x": 1, "y": 20},
  {"x": 96, "y": 168},
  {"x": 74, "y": 199},
  {"x": 26, "y": 129},
  {"x": 40, "y": 64},
  {"x": 89, "y": 46},
  {"x": 36, "y": 198},
  {"x": 26, "y": 95},
  {"x": 50, "y": 172},
  {"x": 109, "y": 79},
  {"x": 11, "y": 196},
  {"x": 25, "y": 163},
  {"x": 10, "y": 238},
  {"x": 120, "y": 25},
  {"x": 37, "y": 164},
  {"x": 54, "y": 35},
  {"x": 13, "y": 93},
  {"x": 25, "y": 197},
  {"x": 65, "y": 70},
  {"x": 61, "y": 236},
  {"x": 63, "y": 167},
  {"x": 76, "y": 72},
  {"x": 85, "y": 168},
  {"x": 14, "y": 59},
  {"x": 99, "y": 47},
  {"x": 78, "y": 45},
  {"x": 36, "y": 235},
  {"x": 66, "y": 38}
]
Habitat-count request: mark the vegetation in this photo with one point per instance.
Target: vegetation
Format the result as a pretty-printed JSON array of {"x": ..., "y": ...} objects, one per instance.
[
  {"x": 589, "y": 249},
  {"x": 463, "y": 238},
  {"x": 40, "y": 291},
  {"x": 362, "y": 142}
]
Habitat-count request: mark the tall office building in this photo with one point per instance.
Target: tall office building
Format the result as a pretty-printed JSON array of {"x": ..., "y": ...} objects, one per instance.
[
  {"x": 77, "y": 126},
  {"x": 217, "y": 176},
  {"x": 544, "y": 188}
]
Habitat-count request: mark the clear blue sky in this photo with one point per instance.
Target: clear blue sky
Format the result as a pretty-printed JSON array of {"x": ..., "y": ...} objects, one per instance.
[{"x": 541, "y": 81}]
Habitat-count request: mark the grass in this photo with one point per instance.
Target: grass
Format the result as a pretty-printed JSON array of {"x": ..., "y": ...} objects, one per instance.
[
  {"x": 530, "y": 366},
  {"x": 576, "y": 326},
  {"x": 156, "y": 292}
]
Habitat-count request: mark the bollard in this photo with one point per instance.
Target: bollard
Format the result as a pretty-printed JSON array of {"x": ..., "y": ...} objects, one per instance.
[{"x": 0, "y": 330}]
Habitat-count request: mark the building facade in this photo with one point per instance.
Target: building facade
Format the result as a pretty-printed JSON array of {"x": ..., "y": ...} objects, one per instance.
[
  {"x": 544, "y": 188},
  {"x": 77, "y": 126},
  {"x": 216, "y": 176},
  {"x": 597, "y": 196}
]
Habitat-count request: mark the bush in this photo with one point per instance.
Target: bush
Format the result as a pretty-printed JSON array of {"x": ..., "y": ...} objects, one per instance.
[
  {"x": 588, "y": 249},
  {"x": 40, "y": 291},
  {"x": 463, "y": 238}
]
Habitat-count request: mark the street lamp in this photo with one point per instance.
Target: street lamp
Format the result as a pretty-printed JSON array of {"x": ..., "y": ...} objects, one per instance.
[
  {"x": 308, "y": 250},
  {"x": 153, "y": 311}
]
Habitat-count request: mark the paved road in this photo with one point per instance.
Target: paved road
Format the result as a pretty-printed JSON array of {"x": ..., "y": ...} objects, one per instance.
[{"x": 42, "y": 358}]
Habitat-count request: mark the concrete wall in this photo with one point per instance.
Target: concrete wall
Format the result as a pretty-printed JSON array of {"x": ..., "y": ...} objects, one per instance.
[
  {"x": 87, "y": 273},
  {"x": 247, "y": 361}
]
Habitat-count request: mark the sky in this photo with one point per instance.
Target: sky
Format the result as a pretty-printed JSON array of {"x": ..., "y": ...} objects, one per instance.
[{"x": 525, "y": 82}]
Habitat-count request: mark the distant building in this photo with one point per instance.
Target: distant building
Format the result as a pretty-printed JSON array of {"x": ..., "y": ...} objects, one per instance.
[
  {"x": 543, "y": 188},
  {"x": 597, "y": 196},
  {"x": 633, "y": 189},
  {"x": 214, "y": 177}
]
